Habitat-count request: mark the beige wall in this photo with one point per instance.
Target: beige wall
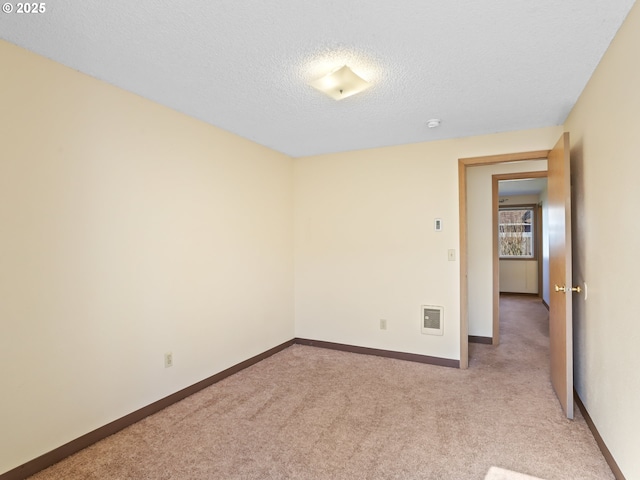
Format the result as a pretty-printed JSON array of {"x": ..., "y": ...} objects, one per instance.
[
  {"x": 519, "y": 200},
  {"x": 605, "y": 154},
  {"x": 519, "y": 276},
  {"x": 365, "y": 246},
  {"x": 128, "y": 230}
]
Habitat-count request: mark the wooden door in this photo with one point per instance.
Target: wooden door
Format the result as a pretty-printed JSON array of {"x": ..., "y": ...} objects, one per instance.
[{"x": 560, "y": 304}]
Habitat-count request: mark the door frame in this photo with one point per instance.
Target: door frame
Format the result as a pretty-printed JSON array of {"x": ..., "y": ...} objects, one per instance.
[
  {"x": 463, "y": 164},
  {"x": 495, "y": 179}
]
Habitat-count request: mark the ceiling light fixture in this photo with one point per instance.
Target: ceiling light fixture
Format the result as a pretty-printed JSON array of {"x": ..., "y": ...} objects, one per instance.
[
  {"x": 433, "y": 123},
  {"x": 340, "y": 83}
]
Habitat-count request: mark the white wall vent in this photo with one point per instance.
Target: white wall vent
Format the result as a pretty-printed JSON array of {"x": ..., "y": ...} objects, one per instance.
[{"x": 432, "y": 320}]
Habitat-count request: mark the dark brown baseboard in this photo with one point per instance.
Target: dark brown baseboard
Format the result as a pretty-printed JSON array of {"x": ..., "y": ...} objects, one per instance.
[
  {"x": 545, "y": 304},
  {"x": 603, "y": 447},
  {"x": 60, "y": 453},
  {"x": 411, "y": 357},
  {"x": 484, "y": 340}
]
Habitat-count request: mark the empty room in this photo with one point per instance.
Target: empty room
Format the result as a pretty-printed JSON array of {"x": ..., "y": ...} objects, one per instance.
[{"x": 260, "y": 240}]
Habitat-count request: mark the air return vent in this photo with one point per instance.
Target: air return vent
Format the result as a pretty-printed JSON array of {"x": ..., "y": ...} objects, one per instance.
[{"x": 432, "y": 320}]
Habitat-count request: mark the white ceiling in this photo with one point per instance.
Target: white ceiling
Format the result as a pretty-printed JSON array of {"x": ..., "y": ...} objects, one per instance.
[{"x": 482, "y": 66}]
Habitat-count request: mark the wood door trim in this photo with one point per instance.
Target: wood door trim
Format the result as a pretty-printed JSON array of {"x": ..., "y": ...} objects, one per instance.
[
  {"x": 505, "y": 158},
  {"x": 463, "y": 164},
  {"x": 495, "y": 263},
  {"x": 464, "y": 286}
]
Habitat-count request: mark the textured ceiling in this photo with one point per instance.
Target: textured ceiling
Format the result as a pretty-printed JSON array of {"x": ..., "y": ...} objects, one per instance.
[{"x": 482, "y": 66}]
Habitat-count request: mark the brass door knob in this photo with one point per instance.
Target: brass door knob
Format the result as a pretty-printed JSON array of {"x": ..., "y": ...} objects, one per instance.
[{"x": 565, "y": 289}]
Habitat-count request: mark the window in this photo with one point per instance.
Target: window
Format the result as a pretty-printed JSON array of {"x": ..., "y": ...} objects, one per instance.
[{"x": 515, "y": 232}]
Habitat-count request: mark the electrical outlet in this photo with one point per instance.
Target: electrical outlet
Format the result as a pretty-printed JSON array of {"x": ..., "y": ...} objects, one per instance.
[
  {"x": 168, "y": 360},
  {"x": 383, "y": 324}
]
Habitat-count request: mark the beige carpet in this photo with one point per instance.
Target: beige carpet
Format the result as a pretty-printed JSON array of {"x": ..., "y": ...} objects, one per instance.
[{"x": 311, "y": 413}]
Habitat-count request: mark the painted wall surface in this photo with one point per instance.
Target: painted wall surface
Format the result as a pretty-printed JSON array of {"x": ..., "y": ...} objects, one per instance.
[
  {"x": 365, "y": 245},
  {"x": 519, "y": 276},
  {"x": 128, "y": 230},
  {"x": 480, "y": 233},
  {"x": 512, "y": 200},
  {"x": 605, "y": 172}
]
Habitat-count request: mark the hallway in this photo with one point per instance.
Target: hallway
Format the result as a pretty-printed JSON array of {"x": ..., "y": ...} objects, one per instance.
[
  {"x": 519, "y": 369},
  {"x": 524, "y": 335}
]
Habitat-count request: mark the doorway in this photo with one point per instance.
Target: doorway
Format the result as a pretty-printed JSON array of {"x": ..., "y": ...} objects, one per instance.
[
  {"x": 560, "y": 316},
  {"x": 520, "y": 247},
  {"x": 467, "y": 168}
]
